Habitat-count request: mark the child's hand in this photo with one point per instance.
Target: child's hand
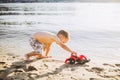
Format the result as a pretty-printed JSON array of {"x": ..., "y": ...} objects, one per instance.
[{"x": 74, "y": 53}]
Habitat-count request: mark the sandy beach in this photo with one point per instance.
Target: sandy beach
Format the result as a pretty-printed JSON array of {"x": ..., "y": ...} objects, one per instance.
[{"x": 15, "y": 68}]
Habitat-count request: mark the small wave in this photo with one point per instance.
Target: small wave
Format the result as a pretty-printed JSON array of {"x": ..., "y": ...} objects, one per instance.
[{"x": 36, "y": 13}]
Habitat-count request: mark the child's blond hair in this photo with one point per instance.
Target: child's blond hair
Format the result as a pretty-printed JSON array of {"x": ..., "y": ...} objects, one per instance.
[{"x": 64, "y": 33}]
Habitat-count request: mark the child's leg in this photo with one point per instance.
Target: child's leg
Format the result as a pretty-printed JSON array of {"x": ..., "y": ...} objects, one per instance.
[
  {"x": 33, "y": 53},
  {"x": 37, "y": 49},
  {"x": 39, "y": 56}
]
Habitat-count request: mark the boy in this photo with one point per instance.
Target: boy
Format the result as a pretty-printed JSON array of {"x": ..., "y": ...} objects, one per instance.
[{"x": 43, "y": 40}]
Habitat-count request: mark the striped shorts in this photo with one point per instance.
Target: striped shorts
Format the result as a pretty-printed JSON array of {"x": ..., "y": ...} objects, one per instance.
[{"x": 37, "y": 46}]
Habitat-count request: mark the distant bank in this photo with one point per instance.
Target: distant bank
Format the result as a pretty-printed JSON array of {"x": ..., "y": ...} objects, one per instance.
[
  {"x": 47, "y": 1},
  {"x": 31, "y": 1}
]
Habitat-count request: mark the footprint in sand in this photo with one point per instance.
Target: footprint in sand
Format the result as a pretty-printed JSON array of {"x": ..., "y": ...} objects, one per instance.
[
  {"x": 105, "y": 64},
  {"x": 117, "y": 70},
  {"x": 96, "y": 69},
  {"x": 2, "y": 63},
  {"x": 118, "y": 65},
  {"x": 95, "y": 79}
]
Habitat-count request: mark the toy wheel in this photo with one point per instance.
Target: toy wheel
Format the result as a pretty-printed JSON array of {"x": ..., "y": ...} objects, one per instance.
[
  {"x": 72, "y": 61},
  {"x": 83, "y": 61},
  {"x": 80, "y": 61}
]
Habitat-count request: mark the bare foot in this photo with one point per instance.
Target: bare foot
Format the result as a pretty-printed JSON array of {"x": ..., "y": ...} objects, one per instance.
[
  {"x": 47, "y": 56},
  {"x": 28, "y": 60}
]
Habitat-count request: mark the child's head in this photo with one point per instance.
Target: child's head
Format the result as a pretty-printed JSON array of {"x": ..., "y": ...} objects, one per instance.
[{"x": 63, "y": 36}]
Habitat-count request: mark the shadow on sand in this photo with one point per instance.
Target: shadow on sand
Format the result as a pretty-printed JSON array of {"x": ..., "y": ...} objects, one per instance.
[
  {"x": 26, "y": 70},
  {"x": 60, "y": 69}
]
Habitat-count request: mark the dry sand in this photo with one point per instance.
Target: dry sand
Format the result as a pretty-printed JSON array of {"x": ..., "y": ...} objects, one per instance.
[{"x": 15, "y": 68}]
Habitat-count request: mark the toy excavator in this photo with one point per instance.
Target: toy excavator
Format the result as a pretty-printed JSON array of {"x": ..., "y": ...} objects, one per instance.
[{"x": 73, "y": 59}]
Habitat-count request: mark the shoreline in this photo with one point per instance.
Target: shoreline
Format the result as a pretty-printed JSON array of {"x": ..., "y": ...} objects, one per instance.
[{"x": 14, "y": 67}]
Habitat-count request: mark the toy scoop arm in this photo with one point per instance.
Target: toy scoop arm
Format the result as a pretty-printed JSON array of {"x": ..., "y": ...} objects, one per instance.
[{"x": 66, "y": 60}]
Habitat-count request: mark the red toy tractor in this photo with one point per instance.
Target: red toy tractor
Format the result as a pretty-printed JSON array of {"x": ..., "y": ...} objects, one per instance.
[{"x": 79, "y": 59}]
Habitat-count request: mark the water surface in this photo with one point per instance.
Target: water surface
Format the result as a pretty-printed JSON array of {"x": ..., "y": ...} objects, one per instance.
[{"x": 93, "y": 27}]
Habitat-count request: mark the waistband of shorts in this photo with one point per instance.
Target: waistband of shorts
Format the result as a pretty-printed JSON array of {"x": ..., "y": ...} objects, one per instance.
[{"x": 35, "y": 40}]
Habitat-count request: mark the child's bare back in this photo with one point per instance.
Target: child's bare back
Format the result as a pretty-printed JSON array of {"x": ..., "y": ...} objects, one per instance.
[{"x": 45, "y": 37}]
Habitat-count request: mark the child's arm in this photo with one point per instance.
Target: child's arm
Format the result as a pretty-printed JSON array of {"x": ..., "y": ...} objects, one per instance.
[
  {"x": 47, "y": 49},
  {"x": 65, "y": 47}
]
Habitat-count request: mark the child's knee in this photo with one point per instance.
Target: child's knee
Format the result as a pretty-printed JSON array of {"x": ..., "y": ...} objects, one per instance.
[
  {"x": 26, "y": 55},
  {"x": 39, "y": 56}
]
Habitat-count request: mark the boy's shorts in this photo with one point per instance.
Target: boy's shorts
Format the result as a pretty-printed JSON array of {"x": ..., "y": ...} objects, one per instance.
[{"x": 38, "y": 47}]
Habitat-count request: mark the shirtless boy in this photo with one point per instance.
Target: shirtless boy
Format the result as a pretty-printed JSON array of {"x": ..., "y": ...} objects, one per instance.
[{"x": 42, "y": 41}]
